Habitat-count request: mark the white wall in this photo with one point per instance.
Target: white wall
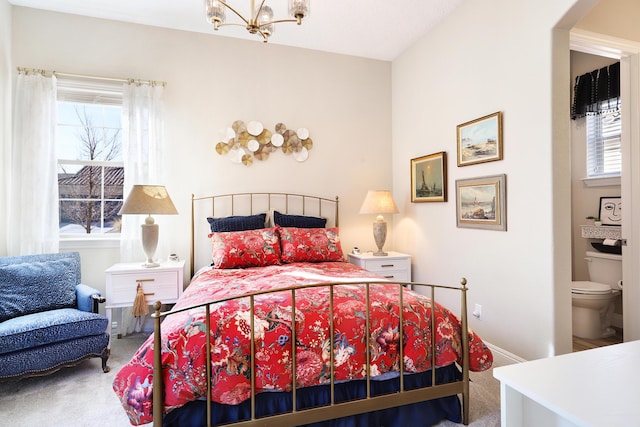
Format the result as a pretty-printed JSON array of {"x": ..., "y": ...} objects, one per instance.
[
  {"x": 345, "y": 102},
  {"x": 496, "y": 55},
  {"x": 5, "y": 108}
]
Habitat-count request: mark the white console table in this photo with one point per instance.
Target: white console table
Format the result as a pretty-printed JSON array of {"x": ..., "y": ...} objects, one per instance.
[{"x": 595, "y": 388}]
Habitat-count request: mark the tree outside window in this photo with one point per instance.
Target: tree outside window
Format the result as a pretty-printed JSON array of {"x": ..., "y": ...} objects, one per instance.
[{"x": 90, "y": 168}]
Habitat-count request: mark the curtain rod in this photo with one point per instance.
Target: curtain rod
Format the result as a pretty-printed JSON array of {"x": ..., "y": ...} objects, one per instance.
[{"x": 85, "y": 76}]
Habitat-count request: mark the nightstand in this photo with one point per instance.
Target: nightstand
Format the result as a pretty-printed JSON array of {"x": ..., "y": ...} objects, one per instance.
[
  {"x": 162, "y": 284},
  {"x": 393, "y": 266}
]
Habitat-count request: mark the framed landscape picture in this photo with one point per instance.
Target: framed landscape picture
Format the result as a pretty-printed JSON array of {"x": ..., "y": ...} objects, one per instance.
[
  {"x": 480, "y": 140},
  {"x": 429, "y": 178},
  {"x": 481, "y": 203}
]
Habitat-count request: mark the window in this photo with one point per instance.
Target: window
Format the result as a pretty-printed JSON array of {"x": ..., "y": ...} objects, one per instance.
[
  {"x": 604, "y": 150},
  {"x": 89, "y": 152}
]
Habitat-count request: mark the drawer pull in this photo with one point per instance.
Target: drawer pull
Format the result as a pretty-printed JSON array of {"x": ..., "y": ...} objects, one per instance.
[
  {"x": 149, "y": 294},
  {"x": 387, "y": 265},
  {"x": 389, "y": 277},
  {"x": 145, "y": 280}
]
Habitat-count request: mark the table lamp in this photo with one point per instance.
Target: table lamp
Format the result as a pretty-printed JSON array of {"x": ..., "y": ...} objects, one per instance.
[
  {"x": 379, "y": 202},
  {"x": 147, "y": 200}
]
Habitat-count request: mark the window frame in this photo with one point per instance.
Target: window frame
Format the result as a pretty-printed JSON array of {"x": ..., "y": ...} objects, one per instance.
[{"x": 86, "y": 90}]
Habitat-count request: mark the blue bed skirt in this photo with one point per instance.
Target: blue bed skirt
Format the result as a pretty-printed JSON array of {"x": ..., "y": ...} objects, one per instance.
[{"x": 425, "y": 413}]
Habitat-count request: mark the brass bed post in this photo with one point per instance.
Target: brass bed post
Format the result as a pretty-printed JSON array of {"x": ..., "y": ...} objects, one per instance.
[
  {"x": 433, "y": 335},
  {"x": 207, "y": 322},
  {"x": 252, "y": 349},
  {"x": 158, "y": 395},
  {"x": 401, "y": 332},
  {"x": 294, "y": 354},
  {"x": 465, "y": 352},
  {"x": 193, "y": 240},
  {"x": 367, "y": 341},
  {"x": 332, "y": 346}
]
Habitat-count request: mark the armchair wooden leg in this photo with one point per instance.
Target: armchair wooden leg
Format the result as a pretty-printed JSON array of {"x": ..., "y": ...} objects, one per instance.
[{"x": 105, "y": 356}]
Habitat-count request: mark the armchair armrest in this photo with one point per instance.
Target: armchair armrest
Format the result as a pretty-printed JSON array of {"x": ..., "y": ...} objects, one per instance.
[{"x": 88, "y": 298}]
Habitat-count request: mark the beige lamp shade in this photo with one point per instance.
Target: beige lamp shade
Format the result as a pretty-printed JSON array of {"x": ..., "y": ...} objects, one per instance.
[
  {"x": 147, "y": 200},
  {"x": 379, "y": 202}
]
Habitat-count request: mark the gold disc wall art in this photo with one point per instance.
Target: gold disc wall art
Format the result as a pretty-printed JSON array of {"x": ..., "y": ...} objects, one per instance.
[{"x": 245, "y": 142}]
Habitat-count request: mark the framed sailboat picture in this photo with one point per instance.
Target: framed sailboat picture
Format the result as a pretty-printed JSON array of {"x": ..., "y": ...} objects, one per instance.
[
  {"x": 429, "y": 178},
  {"x": 481, "y": 202}
]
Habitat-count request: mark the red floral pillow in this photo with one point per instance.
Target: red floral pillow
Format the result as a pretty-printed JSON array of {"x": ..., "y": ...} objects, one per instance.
[
  {"x": 250, "y": 248},
  {"x": 310, "y": 244}
]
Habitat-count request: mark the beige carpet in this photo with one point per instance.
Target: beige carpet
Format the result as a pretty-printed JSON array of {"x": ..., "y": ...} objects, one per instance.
[{"x": 82, "y": 396}]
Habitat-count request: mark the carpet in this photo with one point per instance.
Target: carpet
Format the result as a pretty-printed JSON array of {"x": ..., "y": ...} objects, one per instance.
[{"x": 82, "y": 396}]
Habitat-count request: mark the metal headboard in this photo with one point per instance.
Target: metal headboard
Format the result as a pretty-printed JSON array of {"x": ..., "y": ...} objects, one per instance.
[{"x": 221, "y": 205}]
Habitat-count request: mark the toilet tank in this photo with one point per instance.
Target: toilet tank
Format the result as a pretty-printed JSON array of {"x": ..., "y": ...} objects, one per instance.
[{"x": 604, "y": 268}]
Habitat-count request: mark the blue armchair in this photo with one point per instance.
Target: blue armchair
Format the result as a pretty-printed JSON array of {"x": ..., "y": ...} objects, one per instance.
[{"x": 48, "y": 319}]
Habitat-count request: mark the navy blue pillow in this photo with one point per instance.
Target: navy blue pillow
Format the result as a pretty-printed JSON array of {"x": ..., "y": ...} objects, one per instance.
[
  {"x": 299, "y": 221},
  {"x": 237, "y": 223}
]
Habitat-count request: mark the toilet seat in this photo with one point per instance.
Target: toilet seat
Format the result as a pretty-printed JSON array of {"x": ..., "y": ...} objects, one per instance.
[{"x": 590, "y": 288}]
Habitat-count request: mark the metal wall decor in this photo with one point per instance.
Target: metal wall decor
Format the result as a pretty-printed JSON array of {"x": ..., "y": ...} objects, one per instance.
[{"x": 244, "y": 142}]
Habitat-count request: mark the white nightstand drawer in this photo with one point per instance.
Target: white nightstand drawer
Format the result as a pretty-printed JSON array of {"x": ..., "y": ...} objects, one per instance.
[
  {"x": 399, "y": 275},
  {"x": 395, "y": 266},
  {"x": 160, "y": 286},
  {"x": 388, "y": 265}
]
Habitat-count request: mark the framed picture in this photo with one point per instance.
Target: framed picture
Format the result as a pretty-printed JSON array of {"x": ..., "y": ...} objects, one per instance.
[
  {"x": 429, "y": 178},
  {"x": 611, "y": 210},
  {"x": 480, "y": 140},
  {"x": 481, "y": 202}
]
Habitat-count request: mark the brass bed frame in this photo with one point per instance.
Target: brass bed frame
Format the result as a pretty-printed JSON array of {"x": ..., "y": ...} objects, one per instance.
[{"x": 337, "y": 410}]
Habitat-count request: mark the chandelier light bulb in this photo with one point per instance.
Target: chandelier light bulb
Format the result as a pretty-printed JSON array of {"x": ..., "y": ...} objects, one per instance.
[
  {"x": 299, "y": 9},
  {"x": 215, "y": 12}
]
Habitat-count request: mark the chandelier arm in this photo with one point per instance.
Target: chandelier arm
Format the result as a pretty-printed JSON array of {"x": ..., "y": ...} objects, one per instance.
[
  {"x": 258, "y": 10},
  {"x": 265, "y": 36},
  {"x": 230, "y": 24},
  {"x": 277, "y": 21},
  {"x": 234, "y": 11}
]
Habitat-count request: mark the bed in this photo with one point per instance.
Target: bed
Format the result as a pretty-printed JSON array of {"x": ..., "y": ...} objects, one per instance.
[{"x": 250, "y": 341}]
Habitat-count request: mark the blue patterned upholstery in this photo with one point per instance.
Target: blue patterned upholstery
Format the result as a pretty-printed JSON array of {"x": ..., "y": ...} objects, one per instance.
[{"x": 46, "y": 316}]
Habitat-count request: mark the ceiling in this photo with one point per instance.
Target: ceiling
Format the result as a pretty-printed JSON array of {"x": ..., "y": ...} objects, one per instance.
[{"x": 367, "y": 28}]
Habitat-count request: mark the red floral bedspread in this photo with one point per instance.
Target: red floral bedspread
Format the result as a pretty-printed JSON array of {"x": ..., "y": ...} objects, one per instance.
[{"x": 184, "y": 342}]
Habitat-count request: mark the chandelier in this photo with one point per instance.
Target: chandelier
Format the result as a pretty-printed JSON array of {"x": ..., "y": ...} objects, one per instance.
[{"x": 261, "y": 20}]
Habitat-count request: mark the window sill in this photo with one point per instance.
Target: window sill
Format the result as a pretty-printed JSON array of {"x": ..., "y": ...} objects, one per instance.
[
  {"x": 607, "y": 181},
  {"x": 89, "y": 242}
]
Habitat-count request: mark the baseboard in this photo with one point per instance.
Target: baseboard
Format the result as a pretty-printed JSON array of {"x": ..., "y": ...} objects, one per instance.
[{"x": 503, "y": 357}]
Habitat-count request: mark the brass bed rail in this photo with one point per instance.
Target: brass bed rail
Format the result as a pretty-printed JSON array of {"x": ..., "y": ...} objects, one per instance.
[{"x": 337, "y": 410}]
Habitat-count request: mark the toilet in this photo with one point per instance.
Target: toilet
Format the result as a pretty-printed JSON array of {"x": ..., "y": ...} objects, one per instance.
[{"x": 593, "y": 301}]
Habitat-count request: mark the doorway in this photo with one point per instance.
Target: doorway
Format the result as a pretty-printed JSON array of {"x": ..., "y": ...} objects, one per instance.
[{"x": 628, "y": 53}]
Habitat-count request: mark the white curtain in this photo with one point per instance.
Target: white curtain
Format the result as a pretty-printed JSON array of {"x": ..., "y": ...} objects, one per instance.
[
  {"x": 143, "y": 154},
  {"x": 33, "y": 216},
  {"x": 143, "y": 151}
]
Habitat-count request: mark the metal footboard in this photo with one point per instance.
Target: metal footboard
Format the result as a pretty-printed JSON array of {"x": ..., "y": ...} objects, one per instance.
[{"x": 337, "y": 410}]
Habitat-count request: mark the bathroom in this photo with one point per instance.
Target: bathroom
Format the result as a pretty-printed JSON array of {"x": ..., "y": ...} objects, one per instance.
[{"x": 587, "y": 196}]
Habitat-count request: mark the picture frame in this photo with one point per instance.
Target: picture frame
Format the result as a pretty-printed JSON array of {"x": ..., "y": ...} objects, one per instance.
[
  {"x": 480, "y": 140},
  {"x": 429, "y": 178},
  {"x": 611, "y": 211},
  {"x": 482, "y": 202}
]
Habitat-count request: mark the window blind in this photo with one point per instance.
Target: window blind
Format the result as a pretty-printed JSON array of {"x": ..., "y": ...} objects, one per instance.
[{"x": 604, "y": 150}]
